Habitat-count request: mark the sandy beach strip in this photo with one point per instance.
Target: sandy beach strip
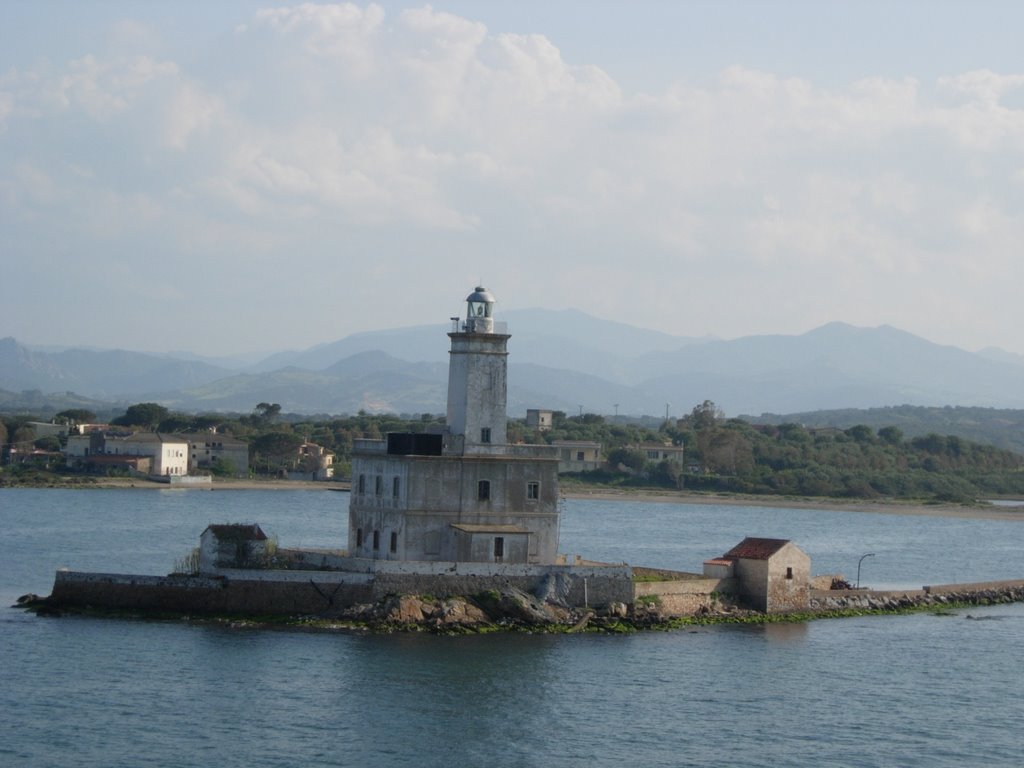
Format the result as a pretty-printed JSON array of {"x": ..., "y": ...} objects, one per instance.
[
  {"x": 880, "y": 506},
  {"x": 650, "y": 496}
]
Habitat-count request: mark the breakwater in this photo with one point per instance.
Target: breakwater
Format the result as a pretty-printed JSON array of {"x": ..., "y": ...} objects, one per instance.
[{"x": 978, "y": 593}]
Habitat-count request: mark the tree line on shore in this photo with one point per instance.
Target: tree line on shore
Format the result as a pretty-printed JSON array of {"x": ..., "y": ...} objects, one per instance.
[{"x": 721, "y": 454}]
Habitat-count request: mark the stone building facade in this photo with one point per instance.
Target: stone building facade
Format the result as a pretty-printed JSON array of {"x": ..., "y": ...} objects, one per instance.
[
  {"x": 773, "y": 574},
  {"x": 207, "y": 449},
  {"x": 464, "y": 494}
]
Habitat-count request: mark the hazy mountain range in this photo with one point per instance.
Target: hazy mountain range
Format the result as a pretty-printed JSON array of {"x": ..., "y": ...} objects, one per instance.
[{"x": 562, "y": 360}]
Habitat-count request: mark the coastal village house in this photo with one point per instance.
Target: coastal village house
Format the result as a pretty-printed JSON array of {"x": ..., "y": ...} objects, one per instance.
[
  {"x": 462, "y": 494},
  {"x": 207, "y": 450},
  {"x": 313, "y": 462},
  {"x": 151, "y": 453},
  {"x": 658, "y": 452},
  {"x": 578, "y": 455},
  {"x": 539, "y": 419}
]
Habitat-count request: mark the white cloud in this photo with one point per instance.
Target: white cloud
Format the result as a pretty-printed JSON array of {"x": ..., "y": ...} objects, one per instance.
[
  {"x": 343, "y": 31},
  {"x": 104, "y": 88},
  {"x": 428, "y": 131},
  {"x": 189, "y": 110},
  {"x": 982, "y": 85}
]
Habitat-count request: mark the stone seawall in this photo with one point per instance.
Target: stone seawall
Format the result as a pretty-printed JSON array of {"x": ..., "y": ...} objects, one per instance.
[
  {"x": 289, "y": 593},
  {"x": 575, "y": 586},
  {"x": 686, "y": 597},
  {"x": 204, "y": 595}
]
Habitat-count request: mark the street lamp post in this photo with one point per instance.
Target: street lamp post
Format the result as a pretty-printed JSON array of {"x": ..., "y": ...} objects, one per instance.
[{"x": 869, "y": 554}]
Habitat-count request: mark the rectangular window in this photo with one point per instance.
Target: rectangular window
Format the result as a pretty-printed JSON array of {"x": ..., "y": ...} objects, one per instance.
[
  {"x": 362, "y": 484},
  {"x": 485, "y": 435},
  {"x": 789, "y": 573},
  {"x": 396, "y": 485},
  {"x": 376, "y": 540},
  {"x": 380, "y": 485},
  {"x": 499, "y": 547},
  {"x": 359, "y": 537},
  {"x": 533, "y": 491},
  {"x": 579, "y": 456},
  {"x": 394, "y": 541},
  {"x": 483, "y": 490}
]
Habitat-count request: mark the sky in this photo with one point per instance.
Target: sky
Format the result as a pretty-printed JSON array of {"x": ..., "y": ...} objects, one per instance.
[{"x": 244, "y": 176}]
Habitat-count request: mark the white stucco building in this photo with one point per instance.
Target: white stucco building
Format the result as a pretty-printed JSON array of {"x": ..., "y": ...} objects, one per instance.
[
  {"x": 578, "y": 455},
  {"x": 150, "y": 452}
]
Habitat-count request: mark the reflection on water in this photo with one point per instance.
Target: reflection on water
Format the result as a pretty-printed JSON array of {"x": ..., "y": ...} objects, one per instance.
[{"x": 786, "y": 634}]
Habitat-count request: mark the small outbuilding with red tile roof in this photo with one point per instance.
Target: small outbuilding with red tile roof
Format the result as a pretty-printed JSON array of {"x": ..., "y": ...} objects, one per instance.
[{"x": 774, "y": 574}]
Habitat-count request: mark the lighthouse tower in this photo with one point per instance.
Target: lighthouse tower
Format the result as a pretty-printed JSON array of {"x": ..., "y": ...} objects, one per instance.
[
  {"x": 478, "y": 377},
  {"x": 462, "y": 494}
]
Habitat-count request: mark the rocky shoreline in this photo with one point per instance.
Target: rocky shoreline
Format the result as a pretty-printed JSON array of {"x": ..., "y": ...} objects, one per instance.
[{"x": 512, "y": 610}]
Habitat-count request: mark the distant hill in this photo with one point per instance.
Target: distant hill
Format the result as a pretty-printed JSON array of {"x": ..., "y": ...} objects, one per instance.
[
  {"x": 566, "y": 339},
  {"x": 1003, "y": 428},
  {"x": 107, "y": 374},
  {"x": 836, "y": 365},
  {"x": 370, "y": 381},
  {"x": 561, "y": 360},
  {"x": 34, "y": 402}
]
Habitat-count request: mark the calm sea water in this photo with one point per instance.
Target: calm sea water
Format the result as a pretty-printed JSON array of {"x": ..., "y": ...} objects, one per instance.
[{"x": 920, "y": 690}]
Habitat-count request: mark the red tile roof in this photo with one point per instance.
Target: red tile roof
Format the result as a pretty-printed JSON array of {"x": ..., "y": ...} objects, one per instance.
[{"x": 755, "y": 549}]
